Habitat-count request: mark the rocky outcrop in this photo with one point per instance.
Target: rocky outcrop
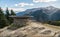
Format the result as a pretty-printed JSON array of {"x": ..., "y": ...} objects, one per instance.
[{"x": 32, "y": 30}]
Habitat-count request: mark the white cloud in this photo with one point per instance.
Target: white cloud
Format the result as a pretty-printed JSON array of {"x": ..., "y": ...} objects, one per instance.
[
  {"x": 15, "y": 9},
  {"x": 16, "y": 4},
  {"x": 36, "y": 1},
  {"x": 24, "y": 4}
]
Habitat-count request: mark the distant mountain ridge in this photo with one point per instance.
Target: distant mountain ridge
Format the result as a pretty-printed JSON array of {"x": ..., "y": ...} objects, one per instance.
[{"x": 43, "y": 14}]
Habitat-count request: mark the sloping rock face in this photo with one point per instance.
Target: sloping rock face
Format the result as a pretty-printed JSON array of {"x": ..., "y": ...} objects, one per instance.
[
  {"x": 56, "y": 16},
  {"x": 32, "y": 30},
  {"x": 39, "y": 15}
]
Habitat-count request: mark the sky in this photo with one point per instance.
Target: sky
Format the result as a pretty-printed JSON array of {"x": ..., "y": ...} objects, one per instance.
[{"x": 22, "y": 5}]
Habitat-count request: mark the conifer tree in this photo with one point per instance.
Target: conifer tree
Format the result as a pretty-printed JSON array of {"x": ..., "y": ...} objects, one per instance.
[
  {"x": 12, "y": 13},
  {"x": 3, "y": 20},
  {"x": 10, "y": 20},
  {"x": 7, "y": 15}
]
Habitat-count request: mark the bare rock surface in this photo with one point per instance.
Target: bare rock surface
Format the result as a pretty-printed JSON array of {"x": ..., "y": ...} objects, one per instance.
[{"x": 32, "y": 30}]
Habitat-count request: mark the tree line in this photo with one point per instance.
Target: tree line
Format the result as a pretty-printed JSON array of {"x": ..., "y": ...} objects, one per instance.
[{"x": 5, "y": 20}]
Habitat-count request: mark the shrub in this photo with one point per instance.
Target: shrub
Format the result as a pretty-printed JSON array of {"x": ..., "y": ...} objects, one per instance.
[
  {"x": 14, "y": 26},
  {"x": 57, "y": 23}
]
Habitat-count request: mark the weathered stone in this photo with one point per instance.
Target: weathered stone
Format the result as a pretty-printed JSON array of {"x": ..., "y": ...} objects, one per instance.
[
  {"x": 32, "y": 30},
  {"x": 20, "y": 20},
  {"x": 57, "y": 34},
  {"x": 46, "y": 32}
]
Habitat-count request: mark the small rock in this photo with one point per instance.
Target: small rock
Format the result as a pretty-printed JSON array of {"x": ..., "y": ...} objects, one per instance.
[
  {"x": 57, "y": 34},
  {"x": 46, "y": 32}
]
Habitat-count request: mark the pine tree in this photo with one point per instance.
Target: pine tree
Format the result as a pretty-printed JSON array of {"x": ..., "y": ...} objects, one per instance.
[
  {"x": 10, "y": 20},
  {"x": 3, "y": 20},
  {"x": 12, "y": 13},
  {"x": 7, "y": 15}
]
